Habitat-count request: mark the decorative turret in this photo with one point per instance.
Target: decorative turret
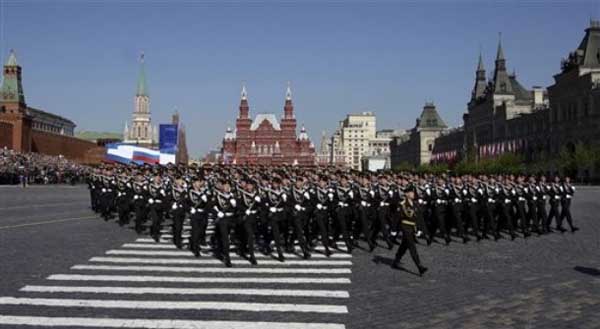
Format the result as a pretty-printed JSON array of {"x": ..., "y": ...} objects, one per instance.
[
  {"x": 502, "y": 83},
  {"x": 12, "y": 88},
  {"x": 244, "y": 108},
  {"x": 480, "y": 81},
  {"x": 303, "y": 135},
  {"x": 288, "y": 109}
]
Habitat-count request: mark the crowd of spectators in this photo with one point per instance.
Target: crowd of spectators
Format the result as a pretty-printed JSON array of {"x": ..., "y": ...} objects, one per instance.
[{"x": 35, "y": 168}]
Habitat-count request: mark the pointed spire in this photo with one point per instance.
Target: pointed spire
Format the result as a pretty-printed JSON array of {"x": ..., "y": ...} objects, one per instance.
[
  {"x": 244, "y": 92},
  {"x": 142, "y": 89},
  {"x": 500, "y": 53},
  {"x": 288, "y": 93},
  {"x": 12, "y": 59},
  {"x": 480, "y": 64}
]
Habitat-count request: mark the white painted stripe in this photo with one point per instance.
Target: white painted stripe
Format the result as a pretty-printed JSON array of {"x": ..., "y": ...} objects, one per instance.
[
  {"x": 154, "y": 245},
  {"x": 190, "y": 291},
  {"x": 175, "y": 305},
  {"x": 182, "y": 279},
  {"x": 169, "y": 232},
  {"x": 43, "y": 321},
  {"x": 181, "y": 269},
  {"x": 302, "y": 262},
  {"x": 190, "y": 254}
]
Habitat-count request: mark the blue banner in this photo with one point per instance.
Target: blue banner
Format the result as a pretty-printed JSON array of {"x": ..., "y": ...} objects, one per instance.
[{"x": 168, "y": 138}]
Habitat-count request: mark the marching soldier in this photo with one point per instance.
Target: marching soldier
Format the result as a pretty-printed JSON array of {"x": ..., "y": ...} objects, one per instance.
[
  {"x": 344, "y": 200},
  {"x": 249, "y": 212},
  {"x": 300, "y": 197},
  {"x": 155, "y": 205},
  {"x": 567, "y": 190},
  {"x": 200, "y": 204},
  {"x": 178, "y": 210},
  {"x": 555, "y": 197},
  {"x": 408, "y": 225},
  {"x": 225, "y": 208}
]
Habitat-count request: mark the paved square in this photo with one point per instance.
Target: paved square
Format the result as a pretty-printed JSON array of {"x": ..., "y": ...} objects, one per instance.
[{"x": 65, "y": 268}]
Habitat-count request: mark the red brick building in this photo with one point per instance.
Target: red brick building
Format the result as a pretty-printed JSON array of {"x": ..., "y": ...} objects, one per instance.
[
  {"x": 265, "y": 140},
  {"x": 25, "y": 129}
]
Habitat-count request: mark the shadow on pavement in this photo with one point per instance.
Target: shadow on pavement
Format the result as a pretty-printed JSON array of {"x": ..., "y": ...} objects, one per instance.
[{"x": 587, "y": 270}]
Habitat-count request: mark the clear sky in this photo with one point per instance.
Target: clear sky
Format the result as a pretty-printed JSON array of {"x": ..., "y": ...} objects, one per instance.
[{"x": 79, "y": 58}]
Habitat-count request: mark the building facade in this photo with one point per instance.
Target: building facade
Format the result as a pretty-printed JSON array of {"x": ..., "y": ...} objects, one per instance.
[
  {"x": 141, "y": 132},
  {"x": 416, "y": 147},
  {"x": 265, "y": 140}
]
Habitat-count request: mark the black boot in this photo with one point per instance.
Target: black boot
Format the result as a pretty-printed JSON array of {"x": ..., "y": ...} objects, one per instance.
[
  {"x": 253, "y": 259},
  {"x": 422, "y": 270}
]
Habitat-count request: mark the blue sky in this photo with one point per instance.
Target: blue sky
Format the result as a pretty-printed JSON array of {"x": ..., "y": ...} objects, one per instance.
[{"x": 79, "y": 58}]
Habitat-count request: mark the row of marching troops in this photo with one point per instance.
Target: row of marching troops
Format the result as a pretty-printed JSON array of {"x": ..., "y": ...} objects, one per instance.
[{"x": 275, "y": 207}]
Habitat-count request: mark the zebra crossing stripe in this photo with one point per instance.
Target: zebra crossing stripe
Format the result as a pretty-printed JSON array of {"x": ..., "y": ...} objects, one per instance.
[
  {"x": 172, "y": 246},
  {"x": 216, "y": 261},
  {"x": 189, "y": 291},
  {"x": 179, "y": 269},
  {"x": 175, "y": 305},
  {"x": 43, "y": 321},
  {"x": 181, "y": 279},
  {"x": 190, "y": 254}
]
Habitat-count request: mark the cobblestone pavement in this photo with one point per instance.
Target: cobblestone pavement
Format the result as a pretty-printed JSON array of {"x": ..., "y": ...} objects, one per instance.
[{"x": 62, "y": 267}]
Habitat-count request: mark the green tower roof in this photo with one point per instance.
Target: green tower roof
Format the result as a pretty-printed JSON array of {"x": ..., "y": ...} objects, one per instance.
[{"x": 142, "y": 88}]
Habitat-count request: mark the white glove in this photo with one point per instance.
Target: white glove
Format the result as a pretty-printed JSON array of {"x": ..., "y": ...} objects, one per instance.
[
  {"x": 351, "y": 194},
  {"x": 204, "y": 198},
  {"x": 233, "y": 202},
  {"x": 391, "y": 193},
  {"x": 162, "y": 192},
  {"x": 297, "y": 207},
  {"x": 220, "y": 214},
  {"x": 247, "y": 212},
  {"x": 284, "y": 197},
  {"x": 372, "y": 193},
  {"x": 419, "y": 233},
  {"x": 193, "y": 211},
  {"x": 150, "y": 201},
  {"x": 363, "y": 203},
  {"x": 306, "y": 195},
  {"x": 272, "y": 209},
  {"x": 104, "y": 190},
  {"x": 135, "y": 197},
  {"x": 129, "y": 185},
  {"x": 330, "y": 195},
  {"x": 174, "y": 206},
  {"x": 257, "y": 198},
  {"x": 319, "y": 206}
]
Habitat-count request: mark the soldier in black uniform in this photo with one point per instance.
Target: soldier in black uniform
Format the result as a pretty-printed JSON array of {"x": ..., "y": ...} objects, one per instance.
[
  {"x": 505, "y": 202},
  {"x": 383, "y": 198},
  {"x": 301, "y": 204},
  {"x": 276, "y": 200},
  {"x": 200, "y": 203},
  {"x": 226, "y": 210},
  {"x": 140, "y": 199},
  {"x": 323, "y": 202},
  {"x": 408, "y": 225},
  {"x": 555, "y": 197},
  {"x": 532, "y": 195},
  {"x": 178, "y": 209},
  {"x": 123, "y": 199},
  {"x": 520, "y": 201},
  {"x": 567, "y": 190},
  {"x": 366, "y": 210},
  {"x": 542, "y": 194},
  {"x": 456, "y": 206},
  {"x": 344, "y": 196},
  {"x": 155, "y": 205},
  {"x": 250, "y": 202}
]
